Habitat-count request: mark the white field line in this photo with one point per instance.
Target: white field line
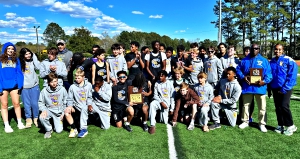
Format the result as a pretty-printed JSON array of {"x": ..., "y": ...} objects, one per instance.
[{"x": 172, "y": 150}]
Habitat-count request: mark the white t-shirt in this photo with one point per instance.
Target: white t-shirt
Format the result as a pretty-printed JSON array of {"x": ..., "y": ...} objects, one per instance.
[{"x": 163, "y": 56}]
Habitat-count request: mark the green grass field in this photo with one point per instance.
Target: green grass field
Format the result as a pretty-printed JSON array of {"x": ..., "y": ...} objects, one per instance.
[{"x": 226, "y": 142}]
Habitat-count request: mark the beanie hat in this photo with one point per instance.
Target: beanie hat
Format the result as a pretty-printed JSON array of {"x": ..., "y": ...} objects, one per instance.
[{"x": 7, "y": 45}]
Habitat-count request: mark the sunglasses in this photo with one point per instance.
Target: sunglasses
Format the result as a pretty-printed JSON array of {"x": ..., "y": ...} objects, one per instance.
[
  {"x": 211, "y": 51},
  {"x": 122, "y": 77},
  {"x": 60, "y": 44},
  {"x": 255, "y": 48}
]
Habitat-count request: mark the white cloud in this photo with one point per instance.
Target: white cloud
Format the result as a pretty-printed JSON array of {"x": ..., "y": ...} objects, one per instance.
[
  {"x": 137, "y": 12},
  {"x": 156, "y": 16},
  {"x": 88, "y": 0},
  {"x": 69, "y": 30},
  {"x": 35, "y": 3},
  {"x": 10, "y": 15},
  {"x": 25, "y": 19},
  {"x": 11, "y": 24},
  {"x": 76, "y": 9},
  {"x": 7, "y": 6},
  {"x": 179, "y": 31},
  {"x": 107, "y": 23},
  {"x": 13, "y": 37},
  {"x": 29, "y": 30},
  {"x": 48, "y": 21},
  {"x": 110, "y": 6}
]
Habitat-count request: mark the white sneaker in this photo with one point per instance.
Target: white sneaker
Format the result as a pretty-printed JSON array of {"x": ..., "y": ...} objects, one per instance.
[
  {"x": 21, "y": 126},
  {"x": 290, "y": 130},
  {"x": 263, "y": 128},
  {"x": 8, "y": 129},
  {"x": 243, "y": 125}
]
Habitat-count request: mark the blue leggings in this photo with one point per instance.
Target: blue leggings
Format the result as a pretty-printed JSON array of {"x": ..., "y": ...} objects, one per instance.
[{"x": 30, "y": 98}]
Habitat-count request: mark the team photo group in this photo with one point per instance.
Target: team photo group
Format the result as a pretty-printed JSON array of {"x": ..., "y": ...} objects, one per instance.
[{"x": 150, "y": 84}]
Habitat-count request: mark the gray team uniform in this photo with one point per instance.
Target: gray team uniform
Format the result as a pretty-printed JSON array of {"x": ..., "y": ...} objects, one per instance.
[
  {"x": 80, "y": 97},
  {"x": 65, "y": 57},
  {"x": 213, "y": 68},
  {"x": 30, "y": 74},
  {"x": 61, "y": 70},
  {"x": 101, "y": 104},
  {"x": 205, "y": 94},
  {"x": 116, "y": 64},
  {"x": 228, "y": 62},
  {"x": 197, "y": 68},
  {"x": 230, "y": 93},
  {"x": 163, "y": 92},
  {"x": 54, "y": 102}
]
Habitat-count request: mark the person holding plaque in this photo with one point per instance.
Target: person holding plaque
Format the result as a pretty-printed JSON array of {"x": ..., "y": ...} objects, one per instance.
[
  {"x": 254, "y": 72},
  {"x": 284, "y": 70},
  {"x": 163, "y": 100}
]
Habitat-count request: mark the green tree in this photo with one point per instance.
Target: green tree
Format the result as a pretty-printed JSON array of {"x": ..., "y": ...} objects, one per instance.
[
  {"x": 81, "y": 40},
  {"x": 52, "y": 33}
]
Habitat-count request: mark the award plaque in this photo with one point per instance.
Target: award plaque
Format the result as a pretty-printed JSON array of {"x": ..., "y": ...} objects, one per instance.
[
  {"x": 135, "y": 95},
  {"x": 255, "y": 75}
]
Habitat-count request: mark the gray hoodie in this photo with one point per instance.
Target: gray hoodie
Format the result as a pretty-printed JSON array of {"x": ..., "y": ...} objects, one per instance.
[
  {"x": 116, "y": 64},
  {"x": 165, "y": 92},
  {"x": 65, "y": 57},
  {"x": 30, "y": 77},
  {"x": 61, "y": 70},
  {"x": 205, "y": 93},
  {"x": 229, "y": 91},
  {"x": 53, "y": 100},
  {"x": 80, "y": 96},
  {"x": 102, "y": 97},
  {"x": 197, "y": 68},
  {"x": 213, "y": 68}
]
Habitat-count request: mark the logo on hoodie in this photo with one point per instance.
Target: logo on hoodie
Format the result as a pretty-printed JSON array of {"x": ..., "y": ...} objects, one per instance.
[
  {"x": 9, "y": 63},
  {"x": 54, "y": 99},
  {"x": 121, "y": 94},
  {"x": 82, "y": 95},
  {"x": 27, "y": 69}
]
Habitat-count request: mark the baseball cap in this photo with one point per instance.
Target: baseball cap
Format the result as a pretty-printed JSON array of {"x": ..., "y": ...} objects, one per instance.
[{"x": 60, "y": 41}]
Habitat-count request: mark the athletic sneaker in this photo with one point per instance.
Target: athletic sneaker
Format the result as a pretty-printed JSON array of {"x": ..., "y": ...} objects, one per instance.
[
  {"x": 28, "y": 123},
  {"x": 279, "y": 129},
  {"x": 82, "y": 133},
  {"x": 191, "y": 127},
  {"x": 8, "y": 129},
  {"x": 290, "y": 130},
  {"x": 21, "y": 126},
  {"x": 145, "y": 127},
  {"x": 73, "y": 133},
  {"x": 128, "y": 128},
  {"x": 243, "y": 125},
  {"x": 48, "y": 134},
  {"x": 205, "y": 128},
  {"x": 214, "y": 126},
  {"x": 152, "y": 130},
  {"x": 263, "y": 128}
]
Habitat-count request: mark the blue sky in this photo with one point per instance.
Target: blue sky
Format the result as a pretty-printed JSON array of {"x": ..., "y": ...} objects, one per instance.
[{"x": 188, "y": 19}]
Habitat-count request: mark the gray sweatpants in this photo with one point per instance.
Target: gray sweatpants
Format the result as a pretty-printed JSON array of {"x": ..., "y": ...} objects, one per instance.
[
  {"x": 104, "y": 117},
  {"x": 230, "y": 113},
  {"x": 83, "y": 118},
  {"x": 203, "y": 115},
  {"x": 154, "y": 106},
  {"x": 56, "y": 120}
]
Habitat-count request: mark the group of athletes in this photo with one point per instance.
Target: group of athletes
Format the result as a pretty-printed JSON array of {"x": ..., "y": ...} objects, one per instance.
[{"x": 194, "y": 86}]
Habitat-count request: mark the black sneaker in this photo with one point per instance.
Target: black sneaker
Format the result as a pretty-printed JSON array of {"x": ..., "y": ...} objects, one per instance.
[
  {"x": 145, "y": 127},
  {"x": 214, "y": 126},
  {"x": 128, "y": 128}
]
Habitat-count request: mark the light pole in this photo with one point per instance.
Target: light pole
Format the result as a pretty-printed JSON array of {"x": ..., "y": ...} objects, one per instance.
[
  {"x": 37, "y": 39},
  {"x": 220, "y": 23}
]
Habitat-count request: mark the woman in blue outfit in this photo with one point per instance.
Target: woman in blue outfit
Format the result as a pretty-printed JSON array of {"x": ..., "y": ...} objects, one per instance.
[{"x": 11, "y": 81}]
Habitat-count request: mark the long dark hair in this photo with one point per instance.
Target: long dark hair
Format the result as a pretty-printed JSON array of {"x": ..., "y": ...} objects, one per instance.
[
  {"x": 4, "y": 57},
  {"x": 22, "y": 57},
  {"x": 139, "y": 80}
]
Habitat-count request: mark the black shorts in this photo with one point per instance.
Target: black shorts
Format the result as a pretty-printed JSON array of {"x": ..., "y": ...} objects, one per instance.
[
  {"x": 185, "y": 111},
  {"x": 138, "y": 109},
  {"x": 118, "y": 115}
]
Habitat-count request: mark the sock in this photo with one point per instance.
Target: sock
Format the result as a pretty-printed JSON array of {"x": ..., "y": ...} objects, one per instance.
[
  {"x": 192, "y": 121},
  {"x": 127, "y": 123},
  {"x": 19, "y": 121},
  {"x": 145, "y": 122},
  {"x": 73, "y": 126},
  {"x": 6, "y": 123}
]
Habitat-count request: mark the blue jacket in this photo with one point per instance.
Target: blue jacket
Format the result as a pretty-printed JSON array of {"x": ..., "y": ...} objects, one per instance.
[
  {"x": 11, "y": 76},
  {"x": 284, "y": 71},
  {"x": 243, "y": 69}
]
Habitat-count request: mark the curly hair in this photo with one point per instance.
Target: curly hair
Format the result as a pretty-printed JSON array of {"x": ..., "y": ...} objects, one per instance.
[
  {"x": 4, "y": 57},
  {"x": 139, "y": 80},
  {"x": 22, "y": 53}
]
